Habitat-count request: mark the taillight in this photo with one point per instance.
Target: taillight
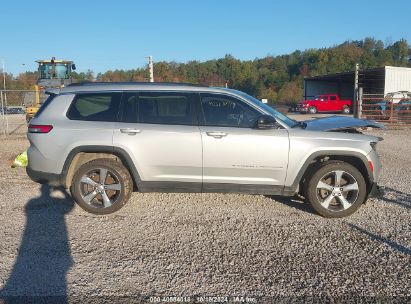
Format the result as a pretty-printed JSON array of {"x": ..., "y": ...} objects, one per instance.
[{"x": 40, "y": 128}]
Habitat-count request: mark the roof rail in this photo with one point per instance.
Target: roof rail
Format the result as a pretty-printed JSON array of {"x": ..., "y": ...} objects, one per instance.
[{"x": 90, "y": 83}]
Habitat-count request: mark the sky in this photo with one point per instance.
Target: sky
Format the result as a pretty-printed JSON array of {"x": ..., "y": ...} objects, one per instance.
[{"x": 108, "y": 35}]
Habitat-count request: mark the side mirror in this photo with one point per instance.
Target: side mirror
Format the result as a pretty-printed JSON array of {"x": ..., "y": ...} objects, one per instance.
[
  {"x": 266, "y": 122},
  {"x": 73, "y": 67}
]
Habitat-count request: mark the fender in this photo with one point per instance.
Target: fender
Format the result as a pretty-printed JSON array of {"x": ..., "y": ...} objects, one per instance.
[
  {"x": 291, "y": 190},
  {"x": 120, "y": 153}
]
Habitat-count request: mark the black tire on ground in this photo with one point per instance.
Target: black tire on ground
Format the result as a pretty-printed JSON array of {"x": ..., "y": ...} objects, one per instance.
[
  {"x": 312, "y": 110},
  {"x": 117, "y": 186},
  {"x": 317, "y": 197},
  {"x": 346, "y": 110}
]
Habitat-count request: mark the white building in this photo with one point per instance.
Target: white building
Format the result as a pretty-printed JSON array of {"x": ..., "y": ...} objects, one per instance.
[{"x": 378, "y": 81}]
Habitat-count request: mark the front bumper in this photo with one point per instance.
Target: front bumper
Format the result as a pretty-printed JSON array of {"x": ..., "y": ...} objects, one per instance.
[{"x": 40, "y": 177}]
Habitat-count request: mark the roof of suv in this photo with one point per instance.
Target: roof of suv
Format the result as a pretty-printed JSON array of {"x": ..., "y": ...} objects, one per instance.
[{"x": 125, "y": 86}]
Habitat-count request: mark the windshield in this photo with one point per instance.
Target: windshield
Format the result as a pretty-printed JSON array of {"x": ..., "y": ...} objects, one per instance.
[
  {"x": 50, "y": 71},
  {"x": 276, "y": 114}
]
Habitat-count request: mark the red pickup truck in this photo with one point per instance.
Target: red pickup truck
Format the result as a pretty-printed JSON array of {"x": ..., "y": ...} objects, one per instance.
[{"x": 325, "y": 103}]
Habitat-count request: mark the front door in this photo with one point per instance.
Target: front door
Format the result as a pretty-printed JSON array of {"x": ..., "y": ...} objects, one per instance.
[
  {"x": 323, "y": 104},
  {"x": 236, "y": 155}
]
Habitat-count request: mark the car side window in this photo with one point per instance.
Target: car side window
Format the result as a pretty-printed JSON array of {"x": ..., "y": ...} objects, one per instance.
[
  {"x": 95, "y": 107},
  {"x": 333, "y": 98},
  {"x": 226, "y": 111},
  {"x": 173, "y": 108}
]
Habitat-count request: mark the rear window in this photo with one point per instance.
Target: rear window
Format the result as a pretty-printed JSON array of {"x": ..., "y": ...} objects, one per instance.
[
  {"x": 95, "y": 107},
  {"x": 45, "y": 104}
]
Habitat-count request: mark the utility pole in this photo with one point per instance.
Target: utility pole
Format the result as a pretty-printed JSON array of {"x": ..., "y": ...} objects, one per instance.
[
  {"x": 4, "y": 103},
  {"x": 356, "y": 103},
  {"x": 3, "y": 114},
  {"x": 151, "y": 68},
  {"x": 360, "y": 92}
]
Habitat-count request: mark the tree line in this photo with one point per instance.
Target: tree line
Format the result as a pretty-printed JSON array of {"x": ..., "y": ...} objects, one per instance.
[{"x": 277, "y": 78}]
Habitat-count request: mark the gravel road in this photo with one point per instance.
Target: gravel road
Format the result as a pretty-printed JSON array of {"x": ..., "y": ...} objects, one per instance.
[{"x": 197, "y": 245}]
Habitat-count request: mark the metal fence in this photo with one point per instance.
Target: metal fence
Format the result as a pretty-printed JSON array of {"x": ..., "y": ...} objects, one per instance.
[
  {"x": 19, "y": 98},
  {"x": 390, "y": 110},
  {"x": 12, "y": 110}
]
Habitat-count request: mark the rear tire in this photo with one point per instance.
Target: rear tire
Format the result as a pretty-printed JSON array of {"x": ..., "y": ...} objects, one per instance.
[
  {"x": 346, "y": 110},
  {"x": 312, "y": 110},
  {"x": 336, "y": 189},
  {"x": 102, "y": 186}
]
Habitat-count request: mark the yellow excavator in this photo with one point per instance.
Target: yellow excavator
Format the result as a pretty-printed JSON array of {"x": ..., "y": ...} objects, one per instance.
[{"x": 52, "y": 73}]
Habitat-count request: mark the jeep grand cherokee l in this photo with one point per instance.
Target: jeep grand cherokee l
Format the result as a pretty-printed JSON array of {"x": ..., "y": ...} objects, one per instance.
[{"x": 104, "y": 140}]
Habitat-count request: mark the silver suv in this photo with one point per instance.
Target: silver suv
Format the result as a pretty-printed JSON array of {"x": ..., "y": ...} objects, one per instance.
[{"x": 104, "y": 140}]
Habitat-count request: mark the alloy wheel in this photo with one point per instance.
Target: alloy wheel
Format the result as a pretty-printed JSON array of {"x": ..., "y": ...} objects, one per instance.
[
  {"x": 100, "y": 188},
  {"x": 337, "y": 190}
]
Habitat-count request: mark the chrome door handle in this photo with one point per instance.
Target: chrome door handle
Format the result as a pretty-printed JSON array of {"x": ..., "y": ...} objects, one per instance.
[
  {"x": 130, "y": 131},
  {"x": 216, "y": 134}
]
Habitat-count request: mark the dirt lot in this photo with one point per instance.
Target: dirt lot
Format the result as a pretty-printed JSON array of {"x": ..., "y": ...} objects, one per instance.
[{"x": 196, "y": 245}]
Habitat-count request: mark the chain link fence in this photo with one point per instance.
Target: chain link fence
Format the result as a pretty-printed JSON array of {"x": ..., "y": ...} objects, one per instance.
[
  {"x": 13, "y": 104},
  {"x": 18, "y": 98}
]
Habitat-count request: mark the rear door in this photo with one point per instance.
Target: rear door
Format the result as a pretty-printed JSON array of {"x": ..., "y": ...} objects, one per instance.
[
  {"x": 335, "y": 105},
  {"x": 159, "y": 131},
  {"x": 236, "y": 156}
]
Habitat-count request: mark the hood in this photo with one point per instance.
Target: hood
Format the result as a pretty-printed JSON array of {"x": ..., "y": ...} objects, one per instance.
[{"x": 335, "y": 123}]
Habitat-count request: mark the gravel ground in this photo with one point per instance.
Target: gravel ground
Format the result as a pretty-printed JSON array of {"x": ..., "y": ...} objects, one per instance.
[{"x": 198, "y": 245}]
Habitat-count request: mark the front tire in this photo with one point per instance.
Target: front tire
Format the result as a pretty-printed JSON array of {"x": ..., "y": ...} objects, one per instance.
[
  {"x": 346, "y": 110},
  {"x": 102, "y": 186},
  {"x": 336, "y": 189},
  {"x": 312, "y": 110}
]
